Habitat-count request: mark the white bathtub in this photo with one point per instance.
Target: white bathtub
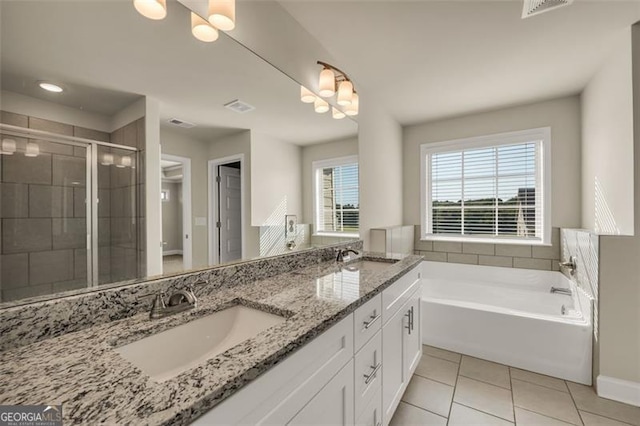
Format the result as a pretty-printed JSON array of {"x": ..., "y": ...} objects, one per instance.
[{"x": 508, "y": 316}]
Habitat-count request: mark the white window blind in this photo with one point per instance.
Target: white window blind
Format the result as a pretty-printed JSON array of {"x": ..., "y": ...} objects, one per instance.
[
  {"x": 337, "y": 196},
  {"x": 480, "y": 189}
]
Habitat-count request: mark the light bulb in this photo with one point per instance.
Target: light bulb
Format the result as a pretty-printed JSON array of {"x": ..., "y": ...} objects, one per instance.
[
  {"x": 327, "y": 83},
  {"x": 107, "y": 160},
  {"x": 352, "y": 109},
  {"x": 8, "y": 146},
  {"x": 202, "y": 29},
  {"x": 33, "y": 150},
  {"x": 152, "y": 9},
  {"x": 321, "y": 106},
  {"x": 345, "y": 93},
  {"x": 50, "y": 87},
  {"x": 306, "y": 95},
  {"x": 222, "y": 14},
  {"x": 337, "y": 114}
]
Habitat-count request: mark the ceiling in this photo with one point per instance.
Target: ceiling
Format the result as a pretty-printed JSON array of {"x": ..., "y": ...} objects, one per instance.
[
  {"x": 426, "y": 60},
  {"x": 106, "y": 55}
]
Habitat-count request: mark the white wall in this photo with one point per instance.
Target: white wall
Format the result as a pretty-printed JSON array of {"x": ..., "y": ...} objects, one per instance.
[
  {"x": 607, "y": 145},
  {"x": 153, "y": 207},
  {"x": 380, "y": 164},
  {"x": 172, "y": 217},
  {"x": 276, "y": 169},
  {"x": 323, "y": 151},
  {"x": 562, "y": 115}
]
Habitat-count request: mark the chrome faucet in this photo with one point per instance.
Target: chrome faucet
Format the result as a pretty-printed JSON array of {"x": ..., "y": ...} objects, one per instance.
[
  {"x": 561, "y": 290},
  {"x": 571, "y": 265},
  {"x": 341, "y": 253},
  {"x": 179, "y": 301}
]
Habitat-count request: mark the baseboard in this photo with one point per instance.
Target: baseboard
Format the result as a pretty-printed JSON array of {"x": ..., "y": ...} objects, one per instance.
[
  {"x": 619, "y": 390},
  {"x": 171, "y": 252}
]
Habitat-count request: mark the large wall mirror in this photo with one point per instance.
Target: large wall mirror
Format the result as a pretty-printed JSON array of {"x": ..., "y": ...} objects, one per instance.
[{"x": 161, "y": 154}]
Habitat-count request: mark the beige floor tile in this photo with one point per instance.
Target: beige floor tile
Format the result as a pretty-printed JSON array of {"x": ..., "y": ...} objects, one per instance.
[
  {"x": 529, "y": 418},
  {"x": 485, "y": 371},
  {"x": 545, "y": 401},
  {"x": 438, "y": 369},
  {"x": 408, "y": 415},
  {"x": 441, "y": 353},
  {"x": 430, "y": 395},
  {"x": 484, "y": 397},
  {"x": 539, "y": 379},
  {"x": 587, "y": 400},
  {"x": 590, "y": 419},
  {"x": 461, "y": 415}
]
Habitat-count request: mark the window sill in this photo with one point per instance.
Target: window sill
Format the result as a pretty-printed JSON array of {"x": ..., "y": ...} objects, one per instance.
[
  {"x": 335, "y": 234},
  {"x": 485, "y": 240}
]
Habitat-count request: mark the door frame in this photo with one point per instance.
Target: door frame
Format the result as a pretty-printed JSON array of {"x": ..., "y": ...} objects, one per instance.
[
  {"x": 187, "y": 235},
  {"x": 213, "y": 234}
]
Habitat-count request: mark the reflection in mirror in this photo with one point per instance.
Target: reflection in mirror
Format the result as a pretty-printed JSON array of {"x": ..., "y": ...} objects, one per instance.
[{"x": 157, "y": 153}]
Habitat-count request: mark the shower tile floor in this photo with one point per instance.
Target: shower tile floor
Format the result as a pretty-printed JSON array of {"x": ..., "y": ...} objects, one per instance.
[{"x": 453, "y": 389}]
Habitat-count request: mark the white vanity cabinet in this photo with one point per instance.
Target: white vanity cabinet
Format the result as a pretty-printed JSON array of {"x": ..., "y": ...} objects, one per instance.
[
  {"x": 353, "y": 373},
  {"x": 402, "y": 348}
]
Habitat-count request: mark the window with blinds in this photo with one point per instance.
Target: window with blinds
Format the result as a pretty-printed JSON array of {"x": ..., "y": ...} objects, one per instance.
[
  {"x": 337, "y": 206},
  {"x": 487, "y": 188}
]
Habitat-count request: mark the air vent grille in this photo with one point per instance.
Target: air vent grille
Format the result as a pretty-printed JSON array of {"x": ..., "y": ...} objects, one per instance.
[
  {"x": 239, "y": 106},
  {"x": 535, "y": 7},
  {"x": 181, "y": 123}
]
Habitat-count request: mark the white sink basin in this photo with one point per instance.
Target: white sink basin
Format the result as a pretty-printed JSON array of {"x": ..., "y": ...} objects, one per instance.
[
  {"x": 171, "y": 352},
  {"x": 370, "y": 265}
]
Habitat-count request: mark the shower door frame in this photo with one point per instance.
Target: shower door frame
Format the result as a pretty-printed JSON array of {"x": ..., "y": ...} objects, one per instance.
[{"x": 91, "y": 186}]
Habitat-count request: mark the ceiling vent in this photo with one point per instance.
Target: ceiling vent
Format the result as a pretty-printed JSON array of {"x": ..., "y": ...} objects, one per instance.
[
  {"x": 239, "y": 106},
  {"x": 535, "y": 7},
  {"x": 180, "y": 123}
]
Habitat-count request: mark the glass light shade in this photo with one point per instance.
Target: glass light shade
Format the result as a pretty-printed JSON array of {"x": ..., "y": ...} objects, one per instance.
[
  {"x": 352, "y": 109},
  {"x": 327, "y": 83},
  {"x": 306, "y": 95},
  {"x": 33, "y": 150},
  {"x": 202, "y": 29},
  {"x": 345, "y": 93},
  {"x": 107, "y": 160},
  {"x": 321, "y": 106},
  {"x": 337, "y": 114},
  {"x": 152, "y": 9},
  {"x": 8, "y": 146},
  {"x": 125, "y": 161},
  {"x": 222, "y": 14},
  {"x": 50, "y": 87}
]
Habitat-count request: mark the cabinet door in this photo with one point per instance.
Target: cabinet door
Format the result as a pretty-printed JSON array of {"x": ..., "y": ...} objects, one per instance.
[
  {"x": 333, "y": 405},
  {"x": 393, "y": 363},
  {"x": 412, "y": 338}
]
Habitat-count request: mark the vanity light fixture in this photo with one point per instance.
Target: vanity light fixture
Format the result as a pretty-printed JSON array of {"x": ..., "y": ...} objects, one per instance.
[
  {"x": 50, "y": 87},
  {"x": 32, "y": 150},
  {"x": 222, "y": 14},
  {"x": 152, "y": 9},
  {"x": 352, "y": 109},
  {"x": 8, "y": 147},
  {"x": 306, "y": 95},
  {"x": 330, "y": 78},
  {"x": 337, "y": 114},
  {"x": 125, "y": 161},
  {"x": 321, "y": 106},
  {"x": 202, "y": 29},
  {"x": 107, "y": 160}
]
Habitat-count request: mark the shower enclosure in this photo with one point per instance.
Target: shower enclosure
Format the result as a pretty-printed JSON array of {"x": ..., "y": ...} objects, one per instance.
[{"x": 69, "y": 210}]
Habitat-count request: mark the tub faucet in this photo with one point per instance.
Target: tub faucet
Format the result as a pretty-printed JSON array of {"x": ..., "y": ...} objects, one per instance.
[
  {"x": 571, "y": 265},
  {"x": 561, "y": 290},
  {"x": 341, "y": 253}
]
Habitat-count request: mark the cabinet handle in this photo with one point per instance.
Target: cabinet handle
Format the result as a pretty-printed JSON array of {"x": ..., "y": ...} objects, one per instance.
[
  {"x": 411, "y": 318},
  {"x": 373, "y": 318},
  {"x": 369, "y": 377},
  {"x": 408, "y": 326}
]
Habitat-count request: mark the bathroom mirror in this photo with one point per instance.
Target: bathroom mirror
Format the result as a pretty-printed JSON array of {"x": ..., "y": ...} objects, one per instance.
[{"x": 147, "y": 112}]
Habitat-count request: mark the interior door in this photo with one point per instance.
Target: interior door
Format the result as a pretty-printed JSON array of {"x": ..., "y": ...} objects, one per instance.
[{"x": 230, "y": 216}]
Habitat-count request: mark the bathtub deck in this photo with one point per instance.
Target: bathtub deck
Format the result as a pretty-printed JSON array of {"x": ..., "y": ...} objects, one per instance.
[{"x": 454, "y": 389}]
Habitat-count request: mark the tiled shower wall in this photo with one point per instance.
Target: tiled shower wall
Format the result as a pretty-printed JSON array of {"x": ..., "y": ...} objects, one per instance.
[
  {"x": 503, "y": 255},
  {"x": 43, "y": 215}
]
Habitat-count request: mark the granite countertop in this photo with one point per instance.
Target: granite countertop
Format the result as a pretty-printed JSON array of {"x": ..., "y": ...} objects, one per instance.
[{"x": 84, "y": 373}]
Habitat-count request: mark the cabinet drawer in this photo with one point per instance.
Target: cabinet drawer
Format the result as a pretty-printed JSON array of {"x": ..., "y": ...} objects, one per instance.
[
  {"x": 372, "y": 413},
  {"x": 368, "y": 372},
  {"x": 367, "y": 320},
  {"x": 398, "y": 293}
]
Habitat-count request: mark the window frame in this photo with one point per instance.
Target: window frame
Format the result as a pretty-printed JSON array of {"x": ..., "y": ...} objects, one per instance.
[
  {"x": 540, "y": 135},
  {"x": 315, "y": 185}
]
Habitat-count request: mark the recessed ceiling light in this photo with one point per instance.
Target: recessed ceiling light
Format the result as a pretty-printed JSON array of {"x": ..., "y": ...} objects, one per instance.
[{"x": 50, "y": 87}]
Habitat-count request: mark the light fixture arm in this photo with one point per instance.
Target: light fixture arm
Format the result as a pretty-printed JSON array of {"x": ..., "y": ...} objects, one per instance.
[{"x": 342, "y": 75}]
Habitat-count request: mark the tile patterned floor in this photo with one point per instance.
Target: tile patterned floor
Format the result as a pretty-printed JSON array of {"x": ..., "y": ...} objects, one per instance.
[{"x": 452, "y": 389}]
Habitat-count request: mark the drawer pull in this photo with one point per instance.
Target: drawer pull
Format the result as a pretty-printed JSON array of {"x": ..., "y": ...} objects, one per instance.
[
  {"x": 372, "y": 319},
  {"x": 409, "y": 316},
  {"x": 369, "y": 377}
]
